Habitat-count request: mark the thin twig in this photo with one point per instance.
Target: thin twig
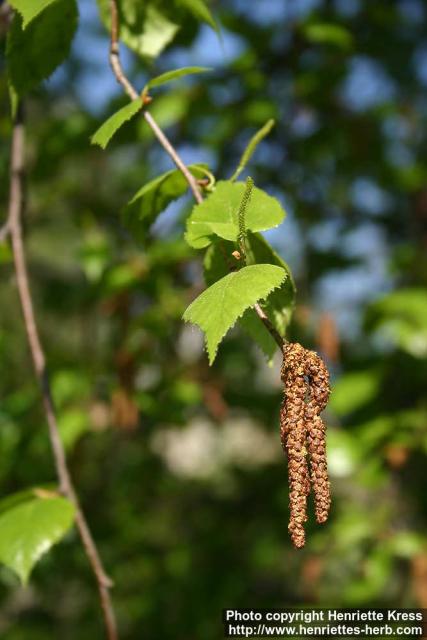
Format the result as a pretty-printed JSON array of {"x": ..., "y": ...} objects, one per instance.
[
  {"x": 269, "y": 326},
  {"x": 164, "y": 141},
  {"x": 115, "y": 53},
  {"x": 39, "y": 361},
  {"x": 167, "y": 146},
  {"x": 116, "y": 65}
]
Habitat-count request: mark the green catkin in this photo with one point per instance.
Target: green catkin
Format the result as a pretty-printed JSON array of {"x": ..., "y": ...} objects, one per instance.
[{"x": 242, "y": 215}]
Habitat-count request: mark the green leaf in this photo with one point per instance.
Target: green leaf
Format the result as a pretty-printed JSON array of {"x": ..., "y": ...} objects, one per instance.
[
  {"x": 219, "y": 214},
  {"x": 29, "y": 9},
  {"x": 328, "y": 33},
  {"x": 73, "y": 423},
  {"x": 343, "y": 453},
  {"x": 254, "y": 328},
  {"x": 251, "y": 147},
  {"x": 158, "y": 31},
  {"x": 216, "y": 310},
  {"x": 25, "y": 495},
  {"x": 200, "y": 11},
  {"x": 30, "y": 528},
  {"x": 106, "y": 131},
  {"x": 354, "y": 390},
  {"x": 279, "y": 304},
  {"x": 401, "y": 317},
  {"x": 169, "y": 76},
  {"x": 406, "y": 544},
  {"x": 14, "y": 499},
  {"x": 156, "y": 195},
  {"x": 146, "y": 28},
  {"x": 34, "y": 53}
]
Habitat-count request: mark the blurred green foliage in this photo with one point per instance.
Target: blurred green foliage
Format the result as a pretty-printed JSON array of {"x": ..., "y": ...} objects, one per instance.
[{"x": 178, "y": 465}]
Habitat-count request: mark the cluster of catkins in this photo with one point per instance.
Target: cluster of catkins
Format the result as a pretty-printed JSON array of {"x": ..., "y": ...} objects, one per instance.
[{"x": 303, "y": 436}]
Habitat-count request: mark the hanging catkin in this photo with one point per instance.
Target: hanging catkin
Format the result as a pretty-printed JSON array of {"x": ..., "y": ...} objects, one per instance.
[
  {"x": 319, "y": 390},
  {"x": 302, "y": 431},
  {"x": 294, "y": 438}
]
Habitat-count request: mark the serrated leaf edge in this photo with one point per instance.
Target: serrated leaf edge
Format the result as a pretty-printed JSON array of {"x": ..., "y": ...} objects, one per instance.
[
  {"x": 130, "y": 117},
  {"x": 25, "y": 22},
  {"x": 212, "y": 359}
]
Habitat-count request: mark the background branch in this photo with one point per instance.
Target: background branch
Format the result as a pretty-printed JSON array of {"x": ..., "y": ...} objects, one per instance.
[
  {"x": 14, "y": 227},
  {"x": 164, "y": 141}
]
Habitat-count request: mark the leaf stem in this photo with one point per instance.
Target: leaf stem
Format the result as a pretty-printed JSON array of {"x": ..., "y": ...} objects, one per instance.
[
  {"x": 15, "y": 210},
  {"x": 166, "y": 144},
  {"x": 121, "y": 78}
]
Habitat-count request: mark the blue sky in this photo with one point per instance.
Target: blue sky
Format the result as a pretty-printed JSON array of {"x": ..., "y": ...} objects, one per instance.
[{"x": 366, "y": 85}]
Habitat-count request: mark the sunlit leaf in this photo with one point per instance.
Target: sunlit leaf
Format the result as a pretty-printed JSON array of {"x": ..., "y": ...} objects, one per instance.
[
  {"x": 72, "y": 424},
  {"x": 218, "y": 214},
  {"x": 216, "y": 310},
  {"x": 29, "y": 9},
  {"x": 106, "y": 131},
  {"x": 14, "y": 499},
  {"x": 199, "y": 9},
  {"x": 343, "y": 454},
  {"x": 30, "y": 528},
  {"x": 146, "y": 28},
  {"x": 279, "y": 305},
  {"x": 169, "y": 76},
  {"x": 353, "y": 390},
  {"x": 158, "y": 31}
]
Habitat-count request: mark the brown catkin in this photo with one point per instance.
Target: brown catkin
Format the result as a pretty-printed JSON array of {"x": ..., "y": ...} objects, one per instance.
[
  {"x": 302, "y": 431},
  {"x": 319, "y": 390},
  {"x": 294, "y": 438}
]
